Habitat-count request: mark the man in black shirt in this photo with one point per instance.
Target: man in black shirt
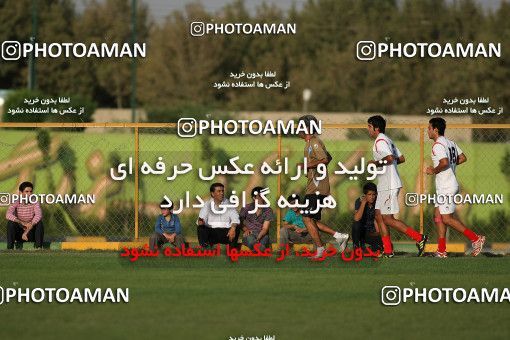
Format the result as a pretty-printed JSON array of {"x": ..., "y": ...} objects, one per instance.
[{"x": 365, "y": 229}]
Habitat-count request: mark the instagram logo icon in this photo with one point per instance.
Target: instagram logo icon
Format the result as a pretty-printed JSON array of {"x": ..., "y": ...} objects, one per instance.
[
  {"x": 11, "y": 50},
  {"x": 365, "y": 50},
  {"x": 391, "y": 295},
  {"x": 187, "y": 127},
  {"x": 197, "y": 29}
]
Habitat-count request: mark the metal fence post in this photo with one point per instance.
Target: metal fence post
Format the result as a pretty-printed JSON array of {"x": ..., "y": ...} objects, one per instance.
[
  {"x": 278, "y": 209},
  {"x": 421, "y": 174},
  {"x": 137, "y": 158}
]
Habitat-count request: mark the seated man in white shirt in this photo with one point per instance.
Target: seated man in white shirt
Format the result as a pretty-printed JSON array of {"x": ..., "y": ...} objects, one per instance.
[{"x": 215, "y": 226}]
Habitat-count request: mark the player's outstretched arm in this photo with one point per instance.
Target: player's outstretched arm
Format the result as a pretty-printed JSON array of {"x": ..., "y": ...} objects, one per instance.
[
  {"x": 389, "y": 160},
  {"x": 443, "y": 165},
  {"x": 461, "y": 159},
  {"x": 314, "y": 164}
]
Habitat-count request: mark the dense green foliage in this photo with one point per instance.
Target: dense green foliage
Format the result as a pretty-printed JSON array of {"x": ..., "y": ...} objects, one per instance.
[{"x": 180, "y": 69}]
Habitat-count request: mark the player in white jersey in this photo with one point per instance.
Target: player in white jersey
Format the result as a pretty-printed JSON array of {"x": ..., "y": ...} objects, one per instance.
[
  {"x": 446, "y": 155},
  {"x": 386, "y": 154}
]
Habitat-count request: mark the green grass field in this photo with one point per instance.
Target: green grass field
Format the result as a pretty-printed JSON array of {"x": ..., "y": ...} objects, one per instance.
[{"x": 215, "y": 299}]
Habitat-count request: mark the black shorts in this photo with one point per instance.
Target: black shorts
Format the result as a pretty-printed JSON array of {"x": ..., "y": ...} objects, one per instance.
[{"x": 313, "y": 201}]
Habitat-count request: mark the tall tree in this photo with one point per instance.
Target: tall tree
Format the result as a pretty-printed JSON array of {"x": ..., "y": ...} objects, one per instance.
[
  {"x": 181, "y": 68},
  {"x": 54, "y": 24},
  {"x": 109, "y": 22}
]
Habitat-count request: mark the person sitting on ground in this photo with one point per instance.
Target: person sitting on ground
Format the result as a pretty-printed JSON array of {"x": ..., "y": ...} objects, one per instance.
[
  {"x": 24, "y": 220},
  {"x": 256, "y": 224},
  {"x": 365, "y": 229},
  {"x": 294, "y": 230},
  {"x": 167, "y": 229}
]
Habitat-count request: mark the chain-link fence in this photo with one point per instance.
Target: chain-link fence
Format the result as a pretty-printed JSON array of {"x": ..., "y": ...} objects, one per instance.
[
  {"x": 202, "y": 153},
  {"x": 65, "y": 159}
]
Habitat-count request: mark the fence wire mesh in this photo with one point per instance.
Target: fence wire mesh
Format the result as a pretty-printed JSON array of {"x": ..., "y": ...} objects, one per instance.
[{"x": 66, "y": 160}]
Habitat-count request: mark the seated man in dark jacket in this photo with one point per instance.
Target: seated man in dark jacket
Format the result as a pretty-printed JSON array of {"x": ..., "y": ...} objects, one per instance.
[
  {"x": 365, "y": 229},
  {"x": 256, "y": 224}
]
